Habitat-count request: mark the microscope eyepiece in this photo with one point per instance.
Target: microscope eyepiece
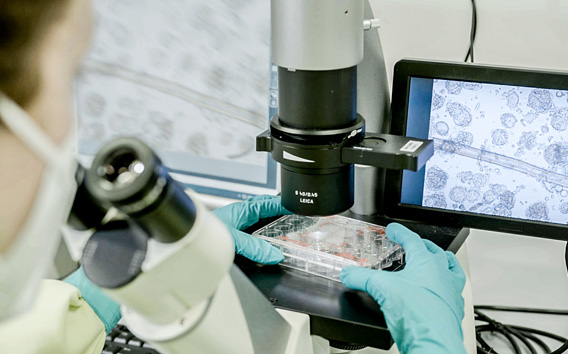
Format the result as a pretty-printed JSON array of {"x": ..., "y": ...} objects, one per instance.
[
  {"x": 120, "y": 169},
  {"x": 86, "y": 212},
  {"x": 128, "y": 175},
  {"x": 125, "y": 172}
]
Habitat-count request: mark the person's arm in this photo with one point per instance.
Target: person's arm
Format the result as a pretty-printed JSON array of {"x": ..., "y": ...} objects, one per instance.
[
  {"x": 59, "y": 321},
  {"x": 422, "y": 303},
  {"x": 106, "y": 308}
]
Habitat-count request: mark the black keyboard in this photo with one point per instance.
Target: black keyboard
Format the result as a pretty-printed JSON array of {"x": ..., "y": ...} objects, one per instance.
[{"x": 120, "y": 341}]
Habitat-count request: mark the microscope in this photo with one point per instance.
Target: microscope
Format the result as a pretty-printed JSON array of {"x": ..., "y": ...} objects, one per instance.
[
  {"x": 319, "y": 133},
  {"x": 169, "y": 262}
]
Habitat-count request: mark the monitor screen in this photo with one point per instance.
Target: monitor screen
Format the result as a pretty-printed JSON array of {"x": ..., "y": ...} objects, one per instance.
[
  {"x": 500, "y": 143},
  {"x": 193, "y": 79}
]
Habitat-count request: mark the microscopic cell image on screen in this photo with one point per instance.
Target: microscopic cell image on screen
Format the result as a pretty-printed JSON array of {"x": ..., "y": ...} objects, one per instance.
[
  {"x": 191, "y": 78},
  {"x": 499, "y": 150}
]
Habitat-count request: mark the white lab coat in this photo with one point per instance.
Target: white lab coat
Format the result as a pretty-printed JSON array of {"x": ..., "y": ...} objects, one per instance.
[{"x": 59, "y": 322}]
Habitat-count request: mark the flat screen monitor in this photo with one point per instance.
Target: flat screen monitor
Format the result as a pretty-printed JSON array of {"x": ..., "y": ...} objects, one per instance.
[
  {"x": 191, "y": 78},
  {"x": 501, "y": 147}
]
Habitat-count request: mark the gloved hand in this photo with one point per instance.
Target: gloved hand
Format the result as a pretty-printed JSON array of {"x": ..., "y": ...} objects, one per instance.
[
  {"x": 239, "y": 216},
  {"x": 422, "y": 303},
  {"x": 107, "y": 310}
]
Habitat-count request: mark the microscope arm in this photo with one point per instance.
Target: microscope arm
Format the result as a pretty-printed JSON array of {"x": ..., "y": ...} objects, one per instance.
[
  {"x": 169, "y": 262},
  {"x": 234, "y": 318}
]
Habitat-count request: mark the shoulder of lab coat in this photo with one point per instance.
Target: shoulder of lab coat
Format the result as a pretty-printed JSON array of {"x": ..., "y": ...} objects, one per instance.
[{"x": 59, "y": 321}]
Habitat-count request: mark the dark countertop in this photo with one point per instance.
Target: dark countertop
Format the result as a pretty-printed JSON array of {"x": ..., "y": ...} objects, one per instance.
[{"x": 336, "y": 312}]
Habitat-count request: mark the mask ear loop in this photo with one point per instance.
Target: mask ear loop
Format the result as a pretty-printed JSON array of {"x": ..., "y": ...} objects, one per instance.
[{"x": 26, "y": 129}]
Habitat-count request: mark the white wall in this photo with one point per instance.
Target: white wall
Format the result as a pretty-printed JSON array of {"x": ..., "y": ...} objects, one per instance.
[{"x": 526, "y": 33}]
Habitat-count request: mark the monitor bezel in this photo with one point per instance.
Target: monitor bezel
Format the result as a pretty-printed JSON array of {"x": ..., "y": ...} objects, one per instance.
[{"x": 406, "y": 69}]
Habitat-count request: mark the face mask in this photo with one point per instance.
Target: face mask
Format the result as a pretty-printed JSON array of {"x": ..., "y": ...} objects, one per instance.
[{"x": 25, "y": 262}]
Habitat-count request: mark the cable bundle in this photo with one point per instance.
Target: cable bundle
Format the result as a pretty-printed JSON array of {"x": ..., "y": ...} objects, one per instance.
[{"x": 516, "y": 335}]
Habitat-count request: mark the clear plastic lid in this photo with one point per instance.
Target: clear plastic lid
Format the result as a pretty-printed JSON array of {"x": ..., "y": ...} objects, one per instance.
[{"x": 325, "y": 245}]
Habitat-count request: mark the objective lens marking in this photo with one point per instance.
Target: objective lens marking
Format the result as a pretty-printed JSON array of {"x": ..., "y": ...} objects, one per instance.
[{"x": 305, "y": 197}]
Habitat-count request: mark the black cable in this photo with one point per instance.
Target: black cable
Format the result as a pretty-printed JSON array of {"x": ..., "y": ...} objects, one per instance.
[
  {"x": 562, "y": 349},
  {"x": 483, "y": 351},
  {"x": 541, "y": 333},
  {"x": 485, "y": 347},
  {"x": 566, "y": 255},
  {"x": 512, "y": 333},
  {"x": 505, "y": 333},
  {"x": 472, "y": 32},
  {"x": 522, "y": 309},
  {"x": 523, "y": 339},
  {"x": 495, "y": 326},
  {"x": 538, "y": 342}
]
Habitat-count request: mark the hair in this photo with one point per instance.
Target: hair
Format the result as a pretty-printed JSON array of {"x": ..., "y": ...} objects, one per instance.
[{"x": 23, "y": 25}]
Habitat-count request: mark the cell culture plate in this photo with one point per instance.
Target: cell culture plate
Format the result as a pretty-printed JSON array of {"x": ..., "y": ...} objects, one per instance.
[{"x": 325, "y": 245}]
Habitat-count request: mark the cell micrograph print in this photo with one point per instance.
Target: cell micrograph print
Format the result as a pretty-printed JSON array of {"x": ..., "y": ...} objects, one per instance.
[
  {"x": 189, "y": 77},
  {"x": 499, "y": 150}
]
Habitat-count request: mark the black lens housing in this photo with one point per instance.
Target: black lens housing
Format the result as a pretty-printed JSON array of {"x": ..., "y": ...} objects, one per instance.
[
  {"x": 315, "y": 192},
  {"x": 314, "y": 179},
  {"x": 317, "y": 100},
  {"x": 317, "y": 117},
  {"x": 317, "y": 137},
  {"x": 86, "y": 212},
  {"x": 148, "y": 194}
]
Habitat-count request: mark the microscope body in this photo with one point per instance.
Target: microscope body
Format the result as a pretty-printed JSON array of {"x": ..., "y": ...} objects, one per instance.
[
  {"x": 187, "y": 300},
  {"x": 169, "y": 262},
  {"x": 319, "y": 134}
]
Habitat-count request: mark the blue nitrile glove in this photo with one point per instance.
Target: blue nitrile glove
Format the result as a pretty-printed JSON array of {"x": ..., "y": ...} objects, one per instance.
[
  {"x": 239, "y": 216},
  {"x": 107, "y": 310},
  {"x": 422, "y": 303}
]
